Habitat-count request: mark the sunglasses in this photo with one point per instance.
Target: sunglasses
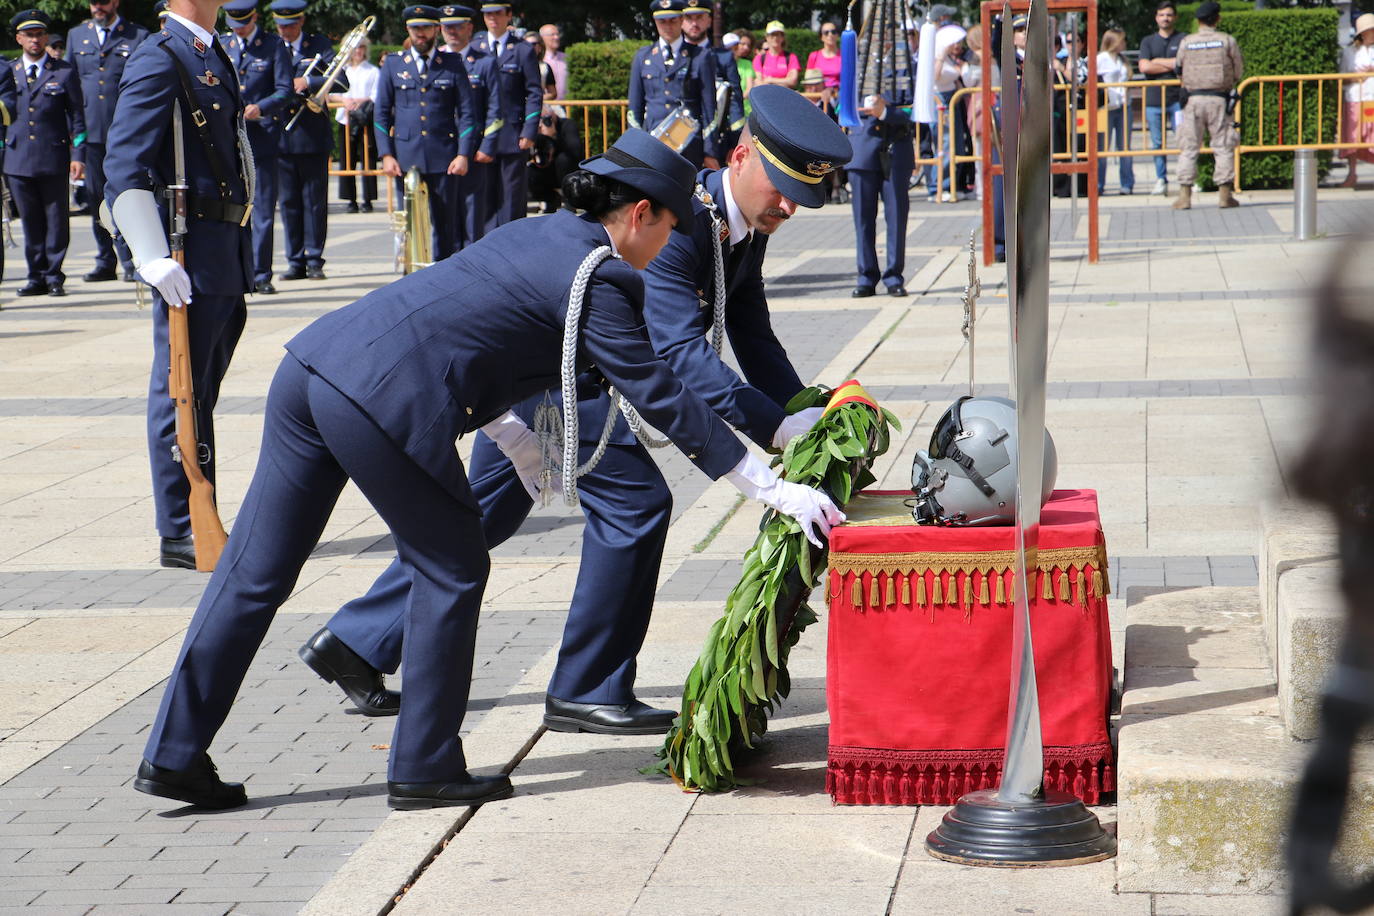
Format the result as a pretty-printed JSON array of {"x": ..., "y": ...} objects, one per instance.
[{"x": 829, "y": 32}]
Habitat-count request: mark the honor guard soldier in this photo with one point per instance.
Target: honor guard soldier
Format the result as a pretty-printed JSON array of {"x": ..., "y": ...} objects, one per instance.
[
  {"x": 377, "y": 392},
  {"x": 425, "y": 118},
  {"x": 696, "y": 29},
  {"x": 183, "y": 64},
  {"x": 519, "y": 100},
  {"x": 884, "y": 158},
  {"x": 1209, "y": 65},
  {"x": 45, "y": 151},
  {"x": 99, "y": 48},
  {"x": 788, "y": 149},
  {"x": 303, "y": 166},
  {"x": 8, "y": 102},
  {"x": 473, "y": 188},
  {"x": 265, "y": 73},
  {"x": 672, "y": 73}
]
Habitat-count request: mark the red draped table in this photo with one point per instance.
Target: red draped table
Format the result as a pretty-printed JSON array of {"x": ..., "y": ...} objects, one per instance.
[{"x": 919, "y": 658}]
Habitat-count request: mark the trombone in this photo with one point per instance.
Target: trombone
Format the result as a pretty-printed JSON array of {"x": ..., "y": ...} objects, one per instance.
[{"x": 318, "y": 101}]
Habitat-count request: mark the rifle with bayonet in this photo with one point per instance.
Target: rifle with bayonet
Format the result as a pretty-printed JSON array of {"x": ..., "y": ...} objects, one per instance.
[{"x": 206, "y": 528}]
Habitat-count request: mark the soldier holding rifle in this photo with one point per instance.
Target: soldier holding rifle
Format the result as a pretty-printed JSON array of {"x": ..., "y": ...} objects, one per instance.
[{"x": 182, "y": 73}]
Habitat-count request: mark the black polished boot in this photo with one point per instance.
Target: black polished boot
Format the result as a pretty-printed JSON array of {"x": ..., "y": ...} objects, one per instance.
[
  {"x": 632, "y": 718},
  {"x": 331, "y": 659}
]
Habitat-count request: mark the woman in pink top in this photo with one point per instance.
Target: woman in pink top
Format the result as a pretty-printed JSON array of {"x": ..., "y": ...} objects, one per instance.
[
  {"x": 826, "y": 59},
  {"x": 775, "y": 65}
]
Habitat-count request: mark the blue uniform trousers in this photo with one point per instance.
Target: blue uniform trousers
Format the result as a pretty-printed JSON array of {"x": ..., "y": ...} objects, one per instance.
[
  {"x": 303, "y": 184},
  {"x": 628, "y": 507},
  {"x": 865, "y": 186},
  {"x": 314, "y": 440},
  {"x": 472, "y": 193},
  {"x": 43, "y": 212},
  {"x": 105, "y": 247},
  {"x": 508, "y": 188},
  {"x": 264, "y": 212},
  {"x": 215, "y": 323}
]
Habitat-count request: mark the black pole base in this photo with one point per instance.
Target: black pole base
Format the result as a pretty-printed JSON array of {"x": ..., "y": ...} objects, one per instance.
[{"x": 1055, "y": 830}]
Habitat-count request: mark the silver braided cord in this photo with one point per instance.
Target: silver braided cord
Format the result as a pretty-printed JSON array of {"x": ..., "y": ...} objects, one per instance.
[{"x": 718, "y": 313}]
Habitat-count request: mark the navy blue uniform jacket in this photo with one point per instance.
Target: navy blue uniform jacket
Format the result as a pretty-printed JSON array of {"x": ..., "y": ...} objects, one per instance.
[
  {"x": 264, "y": 73},
  {"x": 869, "y": 138},
  {"x": 656, "y": 89},
  {"x": 219, "y": 255},
  {"x": 447, "y": 349},
  {"x": 100, "y": 67},
  {"x": 48, "y": 121},
  {"x": 486, "y": 99},
  {"x": 427, "y": 119},
  {"x": 313, "y": 133},
  {"x": 519, "y": 93}
]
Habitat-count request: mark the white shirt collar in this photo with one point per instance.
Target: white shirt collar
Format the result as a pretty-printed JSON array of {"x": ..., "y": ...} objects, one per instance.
[
  {"x": 194, "y": 29},
  {"x": 498, "y": 44},
  {"x": 676, "y": 46},
  {"x": 740, "y": 230},
  {"x": 107, "y": 29},
  {"x": 614, "y": 250},
  {"x": 30, "y": 61}
]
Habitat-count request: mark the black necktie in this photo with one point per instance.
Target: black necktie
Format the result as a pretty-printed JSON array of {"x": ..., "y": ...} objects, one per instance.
[
  {"x": 736, "y": 257},
  {"x": 33, "y": 74},
  {"x": 668, "y": 54}
]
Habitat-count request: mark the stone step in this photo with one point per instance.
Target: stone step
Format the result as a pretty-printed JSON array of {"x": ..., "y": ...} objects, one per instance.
[{"x": 1206, "y": 769}]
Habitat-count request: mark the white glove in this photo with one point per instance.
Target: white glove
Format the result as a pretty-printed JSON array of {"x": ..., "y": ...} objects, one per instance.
[
  {"x": 519, "y": 443},
  {"x": 811, "y": 508},
  {"x": 169, "y": 278},
  {"x": 795, "y": 425}
]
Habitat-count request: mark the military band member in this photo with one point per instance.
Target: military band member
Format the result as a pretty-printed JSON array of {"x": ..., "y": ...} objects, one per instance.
[
  {"x": 473, "y": 188},
  {"x": 264, "y": 70},
  {"x": 884, "y": 158},
  {"x": 784, "y": 155},
  {"x": 45, "y": 151},
  {"x": 696, "y": 29},
  {"x": 1209, "y": 65},
  {"x": 303, "y": 165},
  {"x": 8, "y": 103},
  {"x": 99, "y": 48},
  {"x": 519, "y": 100},
  {"x": 672, "y": 72},
  {"x": 377, "y": 392},
  {"x": 425, "y": 117},
  {"x": 183, "y": 63}
]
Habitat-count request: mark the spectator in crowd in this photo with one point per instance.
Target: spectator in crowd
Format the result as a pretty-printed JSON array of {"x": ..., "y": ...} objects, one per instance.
[
  {"x": 557, "y": 151},
  {"x": 1358, "y": 124},
  {"x": 949, "y": 64},
  {"x": 355, "y": 115},
  {"x": 1112, "y": 67},
  {"x": 973, "y": 76},
  {"x": 552, "y": 37},
  {"x": 547, "y": 80},
  {"x": 1158, "y": 51},
  {"x": 743, "y": 49},
  {"x": 776, "y": 65},
  {"x": 825, "y": 60}
]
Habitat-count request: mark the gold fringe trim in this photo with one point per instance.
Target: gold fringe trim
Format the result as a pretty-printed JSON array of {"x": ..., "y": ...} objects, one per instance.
[
  {"x": 1059, "y": 557},
  {"x": 891, "y": 597},
  {"x": 906, "y": 590},
  {"x": 968, "y": 590},
  {"x": 1001, "y": 594},
  {"x": 920, "y": 588},
  {"x": 983, "y": 597},
  {"x": 873, "y": 591},
  {"x": 1046, "y": 584},
  {"x": 935, "y": 596},
  {"x": 1098, "y": 581},
  {"x": 856, "y": 595},
  {"x": 1082, "y": 582},
  {"x": 1064, "y": 586}
]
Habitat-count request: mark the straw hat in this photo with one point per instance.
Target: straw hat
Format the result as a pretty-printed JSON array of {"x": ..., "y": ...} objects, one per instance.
[{"x": 1364, "y": 23}]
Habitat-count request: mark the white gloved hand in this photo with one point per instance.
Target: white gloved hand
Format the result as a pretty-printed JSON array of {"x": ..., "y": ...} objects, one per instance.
[
  {"x": 169, "y": 278},
  {"x": 811, "y": 508},
  {"x": 796, "y": 424},
  {"x": 519, "y": 443}
]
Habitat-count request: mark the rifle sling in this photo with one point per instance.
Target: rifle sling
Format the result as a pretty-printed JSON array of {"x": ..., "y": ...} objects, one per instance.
[{"x": 199, "y": 120}]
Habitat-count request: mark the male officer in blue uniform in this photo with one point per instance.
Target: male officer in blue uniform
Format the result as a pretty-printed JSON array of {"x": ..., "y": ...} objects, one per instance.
[
  {"x": 696, "y": 29},
  {"x": 672, "y": 72},
  {"x": 520, "y": 99},
  {"x": 884, "y": 158},
  {"x": 303, "y": 166},
  {"x": 45, "y": 151},
  {"x": 99, "y": 48},
  {"x": 183, "y": 63},
  {"x": 265, "y": 73},
  {"x": 425, "y": 117},
  {"x": 474, "y": 187},
  {"x": 786, "y": 152}
]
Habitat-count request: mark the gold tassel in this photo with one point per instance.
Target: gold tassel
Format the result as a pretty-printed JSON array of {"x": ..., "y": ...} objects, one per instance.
[
  {"x": 1045, "y": 585},
  {"x": 873, "y": 592},
  {"x": 1001, "y": 593},
  {"x": 891, "y": 591},
  {"x": 968, "y": 590},
  {"x": 1082, "y": 588},
  {"x": 935, "y": 596},
  {"x": 1011, "y": 589},
  {"x": 856, "y": 596},
  {"x": 1064, "y": 586},
  {"x": 906, "y": 589},
  {"x": 983, "y": 589},
  {"x": 1097, "y": 583},
  {"x": 921, "y": 588}
]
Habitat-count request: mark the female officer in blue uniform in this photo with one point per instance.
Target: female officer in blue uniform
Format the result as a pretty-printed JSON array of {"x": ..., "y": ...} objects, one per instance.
[{"x": 376, "y": 392}]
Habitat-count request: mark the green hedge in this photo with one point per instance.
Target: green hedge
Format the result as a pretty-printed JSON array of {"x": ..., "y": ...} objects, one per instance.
[
  {"x": 1282, "y": 41},
  {"x": 1187, "y": 14}
]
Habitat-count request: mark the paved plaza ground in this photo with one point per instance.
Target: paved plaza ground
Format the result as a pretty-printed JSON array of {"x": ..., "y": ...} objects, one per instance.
[{"x": 1176, "y": 391}]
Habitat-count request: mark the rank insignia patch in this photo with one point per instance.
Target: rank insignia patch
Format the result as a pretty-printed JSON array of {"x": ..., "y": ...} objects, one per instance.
[
  {"x": 199, "y": 46},
  {"x": 209, "y": 78}
]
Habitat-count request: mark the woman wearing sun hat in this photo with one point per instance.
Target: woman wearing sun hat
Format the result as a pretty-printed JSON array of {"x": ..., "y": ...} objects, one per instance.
[
  {"x": 775, "y": 64},
  {"x": 1358, "y": 124}
]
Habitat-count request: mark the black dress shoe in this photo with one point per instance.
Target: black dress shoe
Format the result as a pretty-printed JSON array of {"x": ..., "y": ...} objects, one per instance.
[
  {"x": 129, "y": 276},
  {"x": 633, "y": 718},
  {"x": 33, "y": 288},
  {"x": 98, "y": 275},
  {"x": 265, "y": 287},
  {"x": 56, "y": 290},
  {"x": 861, "y": 292},
  {"x": 196, "y": 785},
  {"x": 293, "y": 273},
  {"x": 331, "y": 659},
  {"x": 898, "y": 290},
  {"x": 352, "y": 207},
  {"x": 179, "y": 553},
  {"x": 367, "y": 207},
  {"x": 465, "y": 790},
  {"x": 314, "y": 273}
]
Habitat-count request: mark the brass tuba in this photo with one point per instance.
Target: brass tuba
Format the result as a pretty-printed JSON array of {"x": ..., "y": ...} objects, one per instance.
[
  {"x": 319, "y": 100},
  {"x": 412, "y": 226}
]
